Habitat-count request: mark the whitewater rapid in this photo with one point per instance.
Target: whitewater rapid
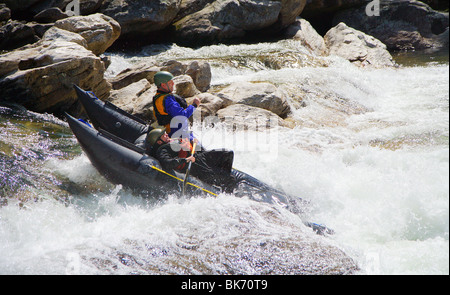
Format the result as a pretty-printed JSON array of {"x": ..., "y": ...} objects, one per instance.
[{"x": 369, "y": 153}]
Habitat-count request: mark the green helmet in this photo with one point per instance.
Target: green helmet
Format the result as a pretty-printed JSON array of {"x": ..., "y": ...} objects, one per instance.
[
  {"x": 162, "y": 77},
  {"x": 154, "y": 135}
]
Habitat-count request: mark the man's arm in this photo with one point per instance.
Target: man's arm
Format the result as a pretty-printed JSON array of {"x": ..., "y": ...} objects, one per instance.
[
  {"x": 174, "y": 109},
  {"x": 167, "y": 159}
]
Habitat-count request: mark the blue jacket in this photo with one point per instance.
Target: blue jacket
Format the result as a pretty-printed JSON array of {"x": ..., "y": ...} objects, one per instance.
[{"x": 179, "y": 124}]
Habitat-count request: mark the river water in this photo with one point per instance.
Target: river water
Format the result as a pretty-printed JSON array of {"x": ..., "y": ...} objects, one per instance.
[{"x": 368, "y": 150}]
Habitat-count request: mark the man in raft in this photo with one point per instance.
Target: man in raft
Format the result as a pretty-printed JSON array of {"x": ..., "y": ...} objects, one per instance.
[
  {"x": 172, "y": 146},
  {"x": 172, "y": 110},
  {"x": 211, "y": 166}
]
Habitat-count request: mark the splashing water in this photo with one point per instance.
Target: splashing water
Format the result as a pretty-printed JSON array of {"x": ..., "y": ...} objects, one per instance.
[{"x": 369, "y": 152}]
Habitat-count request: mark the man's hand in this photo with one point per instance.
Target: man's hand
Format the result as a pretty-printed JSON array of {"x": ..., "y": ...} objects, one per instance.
[
  {"x": 196, "y": 102},
  {"x": 190, "y": 159}
]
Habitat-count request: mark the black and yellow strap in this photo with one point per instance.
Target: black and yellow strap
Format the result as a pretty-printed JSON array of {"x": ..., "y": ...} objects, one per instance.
[{"x": 181, "y": 180}]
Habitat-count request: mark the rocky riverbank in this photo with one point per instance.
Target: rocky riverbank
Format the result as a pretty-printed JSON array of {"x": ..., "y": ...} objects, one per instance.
[{"x": 46, "y": 50}]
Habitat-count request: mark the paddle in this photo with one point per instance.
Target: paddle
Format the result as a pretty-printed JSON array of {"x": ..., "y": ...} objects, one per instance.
[{"x": 188, "y": 169}]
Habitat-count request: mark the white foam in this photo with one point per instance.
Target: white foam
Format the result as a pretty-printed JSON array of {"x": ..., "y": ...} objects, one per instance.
[{"x": 370, "y": 153}]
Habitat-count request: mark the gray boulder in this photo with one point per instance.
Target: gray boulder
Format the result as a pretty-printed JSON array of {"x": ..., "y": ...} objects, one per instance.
[
  {"x": 100, "y": 31},
  {"x": 225, "y": 20},
  {"x": 138, "y": 18},
  {"x": 131, "y": 75},
  {"x": 401, "y": 25},
  {"x": 357, "y": 47},
  {"x": 15, "y": 34},
  {"x": 261, "y": 95},
  {"x": 302, "y": 30},
  {"x": 210, "y": 104},
  {"x": 40, "y": 76},
  {"x": 129, "y": 98},
  {"x": 244, "y": 117},
  {"x": 50, "y": 15}
]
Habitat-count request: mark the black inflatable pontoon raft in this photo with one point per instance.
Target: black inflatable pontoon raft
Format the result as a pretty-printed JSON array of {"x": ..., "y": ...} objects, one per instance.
[
  {"x": 114, "y": 145},
  {"x": 115, "y": 148}
]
